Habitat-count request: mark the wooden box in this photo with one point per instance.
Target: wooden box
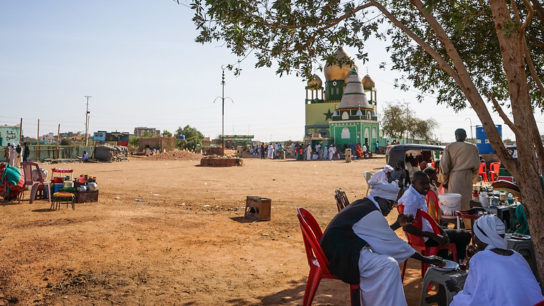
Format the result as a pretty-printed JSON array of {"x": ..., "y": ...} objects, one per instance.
[
  {"x": 87, "y": 196},
  {"x": 258, "y": 208}
]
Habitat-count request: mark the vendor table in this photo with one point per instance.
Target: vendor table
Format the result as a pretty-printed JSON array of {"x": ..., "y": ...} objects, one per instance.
[{"x": 441, "y": 277}]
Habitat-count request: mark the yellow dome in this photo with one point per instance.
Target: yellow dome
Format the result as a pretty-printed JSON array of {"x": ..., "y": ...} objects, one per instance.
[
  {"x": 368, "y": 83},
  {"x": 340, "y": 69},
  {"x": 314, "y": 81}
]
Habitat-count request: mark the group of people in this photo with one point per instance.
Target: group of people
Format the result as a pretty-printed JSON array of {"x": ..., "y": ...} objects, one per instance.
[
  {"x": 13, "y": 154},
  {"x": 318, "y": 152},
  {"x": 270, "y": 151},
  {"x": 362, "y": 248}
]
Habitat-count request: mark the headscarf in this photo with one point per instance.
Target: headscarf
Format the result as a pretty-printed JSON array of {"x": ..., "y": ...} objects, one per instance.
[
  {"x": 388, "y": 169},
  {"x": 488, "y": 229},
  {"x": 387, "y": 191}
]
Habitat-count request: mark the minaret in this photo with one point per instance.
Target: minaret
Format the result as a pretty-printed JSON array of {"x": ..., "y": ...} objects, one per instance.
[{"x": 370, "y": 88}]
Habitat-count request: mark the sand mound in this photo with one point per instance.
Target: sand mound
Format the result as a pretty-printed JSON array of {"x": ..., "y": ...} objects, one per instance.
[{"x": 176, "y": 155}]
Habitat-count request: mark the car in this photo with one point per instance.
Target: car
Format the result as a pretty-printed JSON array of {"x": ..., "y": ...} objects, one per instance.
[{"x": 397, "y": 153}]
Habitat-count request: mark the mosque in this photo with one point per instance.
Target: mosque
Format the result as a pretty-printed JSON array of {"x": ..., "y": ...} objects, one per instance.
[{"x": 345, "y": 111}]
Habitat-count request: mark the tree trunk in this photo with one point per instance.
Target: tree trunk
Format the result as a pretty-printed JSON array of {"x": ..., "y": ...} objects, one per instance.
[{"x": 527, "y": 175}]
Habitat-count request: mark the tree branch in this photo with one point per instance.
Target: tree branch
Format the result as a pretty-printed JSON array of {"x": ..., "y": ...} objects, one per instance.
[
  {"x": 503, "y": 116},
  {"x": 328, "y": 23},
  {"x": 442, "y": 64},
  {"x": 529, "y": 16}
]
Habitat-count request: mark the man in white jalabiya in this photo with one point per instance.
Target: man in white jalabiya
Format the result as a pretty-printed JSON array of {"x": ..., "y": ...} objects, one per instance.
[
  {"x": 363, "y": 249},
  {"x": 309, "y": 152},
  {"x": 271, "y": 151},
  {"x": 332, "y": 151},
  {"x": 383, "y": 176},
  {"x": 497, "y": 276}
]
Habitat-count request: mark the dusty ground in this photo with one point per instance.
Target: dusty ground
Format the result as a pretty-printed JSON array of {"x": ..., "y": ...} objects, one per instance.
[{"x": 184, "y": 242}]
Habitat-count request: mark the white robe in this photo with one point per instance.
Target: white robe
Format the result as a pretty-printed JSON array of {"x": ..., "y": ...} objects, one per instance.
[
  {"x": 379, "y": 177},
  {"x": 379, "y": 261},
  {"x": 308, "y": 152},
  {"x": 270, "y": 151},
  {"x": 325, "y": 153},
  {"x": 331, "y": 152},
  {"x": 494, "y": 279}
]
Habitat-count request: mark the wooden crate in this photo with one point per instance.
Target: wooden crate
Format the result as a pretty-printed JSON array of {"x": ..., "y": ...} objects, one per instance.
[
  {"x": 87, "y": 196},
  {"x": 258, "y": 208}
]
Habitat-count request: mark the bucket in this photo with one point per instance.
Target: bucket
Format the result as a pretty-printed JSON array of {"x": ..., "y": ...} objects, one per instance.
[{"x": 449, "y": 203}]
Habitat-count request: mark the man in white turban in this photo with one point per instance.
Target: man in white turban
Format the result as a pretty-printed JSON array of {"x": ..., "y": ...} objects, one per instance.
[
  {"x": 383, "y": 176},
  {"x": 363, "y": 249},
  {"x": 497, "y": 276}
]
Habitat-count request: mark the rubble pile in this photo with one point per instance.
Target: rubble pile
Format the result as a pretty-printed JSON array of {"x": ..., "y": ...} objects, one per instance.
[{"x": 176, "y": 155}]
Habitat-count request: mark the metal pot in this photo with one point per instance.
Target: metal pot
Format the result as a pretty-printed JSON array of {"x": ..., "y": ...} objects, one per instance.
[{"x": 92, "y": 186}]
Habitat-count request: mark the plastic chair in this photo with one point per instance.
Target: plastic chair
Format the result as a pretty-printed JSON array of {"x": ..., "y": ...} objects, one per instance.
[
  {"x": 494, "y": 170},
  {"x": 341, "y": 199},
  {"x": 541, "y": 303},
  {"x": 368, "y": 175},
  {"x": 483, "y": 171},
  {"x": 41, "y": 182},
  {"x": 433, "y": 206},
  {"x": 418, "y": 243},
  {"x": 311, "y": 233}
]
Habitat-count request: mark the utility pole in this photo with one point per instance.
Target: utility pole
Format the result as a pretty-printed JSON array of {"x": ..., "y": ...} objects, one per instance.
[
  {"x": 223, "y": 112},
  {"x": 38, "y": 143},
  {"x": 87, "y": 121},
  {"x": 223, "y": 98},
  {"x": 471, "y": 136},
  {"x": 21, "y": 132},
  {"x": 58, "y": 141}
]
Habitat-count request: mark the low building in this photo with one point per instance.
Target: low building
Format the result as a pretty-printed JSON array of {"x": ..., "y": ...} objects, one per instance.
[
  {"x": 139, "y": 131},
  {"x": 9, "y": 134}
]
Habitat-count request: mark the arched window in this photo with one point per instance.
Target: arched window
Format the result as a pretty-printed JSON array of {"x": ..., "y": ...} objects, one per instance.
[
  {"x": 345, "y": 116},
  {"x": 374, "y": 133},
  {"x": 345, "y": 134}
]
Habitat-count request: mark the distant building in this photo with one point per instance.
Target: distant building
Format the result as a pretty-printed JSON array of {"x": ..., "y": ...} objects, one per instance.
[
  {"x": 121, "y": 138},
  {"x": 139, "y": 131},
  {"x": 9, "y": 134},
  {"x": 48, "y": 138}
]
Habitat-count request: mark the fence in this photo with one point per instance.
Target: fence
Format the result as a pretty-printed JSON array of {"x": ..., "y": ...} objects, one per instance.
[{"x": 52, "y": 152}]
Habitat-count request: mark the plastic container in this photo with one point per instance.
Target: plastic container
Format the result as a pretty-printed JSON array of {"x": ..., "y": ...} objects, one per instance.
[
  {"x": 484, "y": 200},
  {"x": 57, "y": 187},
  {"x": 449, "y": 203},
  {"x": 68, "y": 184}
]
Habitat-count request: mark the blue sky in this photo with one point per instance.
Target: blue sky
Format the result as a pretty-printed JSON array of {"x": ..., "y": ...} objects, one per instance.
[{"x": 139, "y": 62}]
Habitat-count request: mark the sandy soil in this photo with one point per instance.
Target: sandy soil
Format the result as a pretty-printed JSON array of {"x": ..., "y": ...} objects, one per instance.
[{"x": 183, "y": 241}]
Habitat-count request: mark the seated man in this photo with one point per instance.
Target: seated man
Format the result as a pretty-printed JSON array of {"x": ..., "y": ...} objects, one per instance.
[
  {"x": 400, "y": 174},
  {"x": 497, "y": 276},
  {"x": 414, "y": 199},
  {"x": 363, "y": 249},
  {"x": 381, "y": 177},
  {"x": 85, "y": 156}
]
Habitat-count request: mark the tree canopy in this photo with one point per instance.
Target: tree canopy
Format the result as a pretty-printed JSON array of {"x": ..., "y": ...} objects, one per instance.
[
  {"x": 193, "y": 138},
  {"x": 165, "y": 133},
  {"x": 399, "y": 120}
]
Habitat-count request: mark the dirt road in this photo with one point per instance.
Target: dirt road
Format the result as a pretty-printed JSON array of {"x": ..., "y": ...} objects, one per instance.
[{"x": 175, "y": 236}]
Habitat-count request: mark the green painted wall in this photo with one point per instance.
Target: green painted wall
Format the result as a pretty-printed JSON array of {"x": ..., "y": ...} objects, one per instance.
[
  {"x": 320, "y": 113},
  {"x": 357, "y": 131}
]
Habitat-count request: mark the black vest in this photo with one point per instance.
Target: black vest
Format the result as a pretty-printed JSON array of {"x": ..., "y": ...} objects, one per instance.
[{"x": 341, "y": 245}]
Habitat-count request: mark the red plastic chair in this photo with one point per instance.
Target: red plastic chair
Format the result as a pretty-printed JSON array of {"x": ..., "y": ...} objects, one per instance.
[
  {"x": 541, "y": 303},
  {"x": 483, "y": 171},
  {"x": 418, "y": 243},
  {"x": 319, "y": 265},
  {"x": 431, "y": 198},
  {"x": 494, "y": 170}
]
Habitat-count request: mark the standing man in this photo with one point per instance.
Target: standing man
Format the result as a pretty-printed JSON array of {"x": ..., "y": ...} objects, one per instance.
[
  {"x": 377, "y": 147},
  {"x": 18, "y": 150},
  {"x": 26, "y": 152},
  {"x": 12, "y": 155},
  {"x": 363, "y": 249},
  {"x": 459, "y": 168}
]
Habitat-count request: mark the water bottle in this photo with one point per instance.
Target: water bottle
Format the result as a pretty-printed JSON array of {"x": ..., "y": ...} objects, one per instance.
[{"x": 510, "y": 198}]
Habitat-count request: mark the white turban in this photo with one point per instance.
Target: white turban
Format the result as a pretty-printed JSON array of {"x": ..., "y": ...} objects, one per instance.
[
  {"x": 385, "y": 191},
  {"x": 488, "y": 228},
  {"x": 381, "y": 176},
  {"x": 388, "y": 169}
]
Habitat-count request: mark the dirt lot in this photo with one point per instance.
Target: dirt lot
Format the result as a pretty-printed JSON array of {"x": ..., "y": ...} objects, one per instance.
[{"x": 175, "y": 236}]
